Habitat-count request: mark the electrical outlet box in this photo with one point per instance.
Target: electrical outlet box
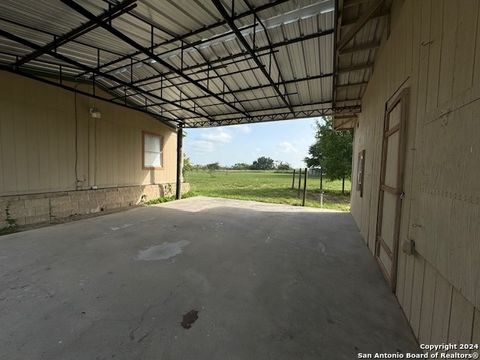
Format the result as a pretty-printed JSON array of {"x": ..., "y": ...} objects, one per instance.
[{"x": 408, "y": 247}]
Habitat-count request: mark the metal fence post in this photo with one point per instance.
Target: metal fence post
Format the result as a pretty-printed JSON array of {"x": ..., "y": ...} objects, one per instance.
[
  {"x": 299, "y": 181},
  {"x": 321, "y": 178},
  {"x": 304, "y": 187},
  {"x": 293, "y": 180}
]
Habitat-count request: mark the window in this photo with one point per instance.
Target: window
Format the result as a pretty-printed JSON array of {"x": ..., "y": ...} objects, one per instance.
[
  {"x": 360, "y": 171},
  {"x": 152, "y": 151}
]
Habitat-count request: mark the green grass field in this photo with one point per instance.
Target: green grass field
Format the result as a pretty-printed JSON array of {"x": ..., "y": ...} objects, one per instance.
[{"x": 267, "y": 186}]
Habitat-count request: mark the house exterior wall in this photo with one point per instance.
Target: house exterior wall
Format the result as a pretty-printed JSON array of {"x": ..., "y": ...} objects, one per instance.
[
  {"x": 434, "y": 50},
  {"x": 49, "y": 144}
]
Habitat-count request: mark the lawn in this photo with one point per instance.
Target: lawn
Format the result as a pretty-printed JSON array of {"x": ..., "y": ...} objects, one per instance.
[{"x": 267, "y": 186}]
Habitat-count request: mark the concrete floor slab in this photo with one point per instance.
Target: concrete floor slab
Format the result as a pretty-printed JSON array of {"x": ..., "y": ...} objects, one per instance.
[{"x": 268, "y": 282}]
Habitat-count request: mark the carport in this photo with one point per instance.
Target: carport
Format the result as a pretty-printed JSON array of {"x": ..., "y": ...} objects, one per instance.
[
  {"x": 94, "y": 98},
  {"x": 187, "y": 64}
]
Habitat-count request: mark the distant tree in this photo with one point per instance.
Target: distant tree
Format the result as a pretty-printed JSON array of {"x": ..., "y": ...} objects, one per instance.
[
  {"x": 332, "y": 151},
  {"x": 241, "y": 166},
  {"x": 283, "y": 166},
  {"x": 213, "y": 166},
  {"x": 187, "y": 164},
  {"x": 263, "y": 163}
]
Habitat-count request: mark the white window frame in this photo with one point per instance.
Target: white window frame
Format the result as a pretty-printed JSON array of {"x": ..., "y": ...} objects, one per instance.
[{"x": 145, "y": 166}]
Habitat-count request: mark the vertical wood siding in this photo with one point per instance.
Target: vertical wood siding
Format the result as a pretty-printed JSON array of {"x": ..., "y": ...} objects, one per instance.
[
  {"x": 37, "y": 141},
  {"x": 434, "y": 49}
]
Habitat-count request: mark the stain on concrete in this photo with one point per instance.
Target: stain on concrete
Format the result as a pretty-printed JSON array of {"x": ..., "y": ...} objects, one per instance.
[
  {"x": 189, "y": 318},
  {"x": 162, "y": 252},
  {"x": 124, "y": 226},
  {"x": 321, "y": 246}
]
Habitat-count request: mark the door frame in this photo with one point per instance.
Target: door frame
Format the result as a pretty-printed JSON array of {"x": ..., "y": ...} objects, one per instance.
[{"x": 403, "y": 99}]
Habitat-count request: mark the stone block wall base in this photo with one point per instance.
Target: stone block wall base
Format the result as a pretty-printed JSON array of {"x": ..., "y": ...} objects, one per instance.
[{"x": 52, "y": 207}]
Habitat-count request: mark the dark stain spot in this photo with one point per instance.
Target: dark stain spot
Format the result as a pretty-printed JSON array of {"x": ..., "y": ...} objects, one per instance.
[
  {"x": 143, "y": 337},
  {"x": 330, "y": 321},
  {"x": 189, "y": 318}
]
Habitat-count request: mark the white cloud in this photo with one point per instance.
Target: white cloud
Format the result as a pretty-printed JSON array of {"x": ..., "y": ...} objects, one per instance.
[
  {"x": 243, "y": 129},
  {"x": 287, "y": 148},
  {"x": 210, "y": 139},
  {"x": 202, "y": 146},
  {"x": 217, "y": 135}
]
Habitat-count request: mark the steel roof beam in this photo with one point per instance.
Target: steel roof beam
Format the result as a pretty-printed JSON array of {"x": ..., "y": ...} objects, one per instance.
[
  {"x": 185, "y": 45},
  {"x": 272, "y": 55},
  {"x": 79, "y": 31},
  {"x": 286, "y": 82},
  {"x": 75, "y": 41},
  {"x": 245, "y": 53},
  {"x": 194, "y": 68},
  {"x": 246, "y": 101},
  {"x": 360, "y": 23},
  {"x": 350, "y": 22},
  {"x": 194, "y": 32},
  {"x": 147, "y": 52},
  {"x": 280, "y": 107},
  {"x": 351, "y": 3},
  {"x": 87, "y": 68},
  {"x": 218, "y": 76},
  {"x": 360, "y": 47},
  {"x": 275, "y": 116},
  {"x": 252, "y": 88},
  {"x": 363, "y": 83},
  {"x": 177, "y": 85},
  {"x": 225, "y": 85},
  {"x": 231, "y": 92},
  {"x": 259, "y": 50},
  {"x": 144, "y": 81},
  {"x": 355, "y": 67},
  {"x": 246, "y": 45}
]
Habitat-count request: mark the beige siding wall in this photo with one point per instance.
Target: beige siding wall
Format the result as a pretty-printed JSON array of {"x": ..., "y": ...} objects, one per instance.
[
  {"x": 41, "y": 140},
  {"x": 434, "y": 49}
]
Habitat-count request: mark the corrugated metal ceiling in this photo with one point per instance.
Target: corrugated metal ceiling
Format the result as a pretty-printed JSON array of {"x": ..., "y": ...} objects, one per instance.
[{"x": 214, "y": 80}]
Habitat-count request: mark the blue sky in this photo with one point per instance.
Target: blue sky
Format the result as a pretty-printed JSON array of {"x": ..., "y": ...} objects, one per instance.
[{"x": 286, "y": 141}]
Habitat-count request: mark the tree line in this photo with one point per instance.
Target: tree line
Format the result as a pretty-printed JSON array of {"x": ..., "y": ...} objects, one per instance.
[{"x": 262, "y": 163}]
